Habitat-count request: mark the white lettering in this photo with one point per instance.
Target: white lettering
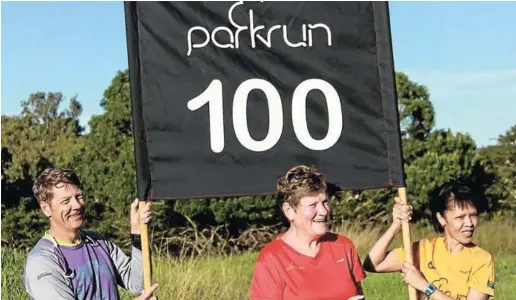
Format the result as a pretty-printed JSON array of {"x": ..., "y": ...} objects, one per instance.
[
  {"x": 254, "y": 33},
  {"x": 299, "y": 121},
  {"x": 212, "y": 96},
  {"x": 268, "y": 42},
  {"x": 231, "y": 37},
  {"x": 239, "y": 28},
  {"x": 320, "y": 25},
  {"x": 285, "y": 37},
  {"x": 253, "y": 30},
  {"x": 240, "y": 114},
  {"x": 190, "y": 46}
]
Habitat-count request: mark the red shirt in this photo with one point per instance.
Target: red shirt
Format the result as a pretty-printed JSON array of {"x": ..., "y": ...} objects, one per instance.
[{"x": 283, "y": 273}]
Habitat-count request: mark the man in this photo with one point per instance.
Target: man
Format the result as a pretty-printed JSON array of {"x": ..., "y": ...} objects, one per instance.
[{"x": 69, "y": 263}]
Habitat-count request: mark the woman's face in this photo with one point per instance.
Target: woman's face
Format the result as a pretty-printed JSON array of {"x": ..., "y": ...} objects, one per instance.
[
  {"x": 311, "y": 215},
  {"x": 459, "y": 222}
]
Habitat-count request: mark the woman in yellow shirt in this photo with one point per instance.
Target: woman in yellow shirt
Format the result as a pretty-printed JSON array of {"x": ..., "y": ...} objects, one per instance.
[{"x": 449, "y": 266}]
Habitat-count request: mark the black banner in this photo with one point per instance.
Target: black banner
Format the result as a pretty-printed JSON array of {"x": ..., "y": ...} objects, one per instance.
[{"x": 227, "y": 96}]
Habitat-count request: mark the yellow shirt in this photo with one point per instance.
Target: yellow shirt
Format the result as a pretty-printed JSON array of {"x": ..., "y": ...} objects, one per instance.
[{"x": 454, "y": 273}]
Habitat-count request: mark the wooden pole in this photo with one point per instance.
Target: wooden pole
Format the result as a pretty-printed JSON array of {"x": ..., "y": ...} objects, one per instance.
[
  {"x": 407, "y": 243},
  {"x": 144, "y": 228}
]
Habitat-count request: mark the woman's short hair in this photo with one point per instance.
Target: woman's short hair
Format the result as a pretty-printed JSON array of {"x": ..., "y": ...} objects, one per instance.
[
  {"x": 298, "y": 182},
  {"x": 448, "y": 197},
  {"x": 53, "y": 177}
]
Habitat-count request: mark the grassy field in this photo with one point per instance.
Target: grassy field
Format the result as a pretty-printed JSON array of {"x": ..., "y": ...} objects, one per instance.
[{"x": 228, "y": 277}]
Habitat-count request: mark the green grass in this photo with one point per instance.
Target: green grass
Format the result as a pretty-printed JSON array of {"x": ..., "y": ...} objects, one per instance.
[
  {"x": 228, "y": 277},
  {"x": 12, "y": 271}
]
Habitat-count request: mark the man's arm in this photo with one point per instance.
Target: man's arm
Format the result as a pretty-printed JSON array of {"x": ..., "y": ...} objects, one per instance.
[
  {"x": 44, "y": 279},
  {"x": 129, "y": 269}
]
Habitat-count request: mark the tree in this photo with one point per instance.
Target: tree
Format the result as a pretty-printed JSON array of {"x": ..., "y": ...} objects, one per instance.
[
  {"x": 106, "y": 166},
  {"x": 104, "y": 159},
  {"x": 416, "y": 110},
  {"x": 106, "y": 163},
  {"x": 432, "y": 158},
  {"x": 499, "y": 161},
  {"x": 41, "y": 136},
  {"x": 442, "y": 158}
]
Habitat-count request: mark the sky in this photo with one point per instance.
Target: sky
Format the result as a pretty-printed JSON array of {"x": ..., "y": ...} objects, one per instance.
[{"x": 464, "y": 52}]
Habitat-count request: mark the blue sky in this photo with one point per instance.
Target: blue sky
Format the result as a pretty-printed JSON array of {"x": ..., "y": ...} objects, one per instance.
[{"x": 464, "y": 52}]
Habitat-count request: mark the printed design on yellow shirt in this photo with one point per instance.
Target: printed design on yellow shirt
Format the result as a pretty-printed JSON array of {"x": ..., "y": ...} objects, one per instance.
[
  {"x": 442, "y": 285},
  {"x": 441, "y": 281},
  {"x": 431, "y": 265},
  {"x": 453, "y": 273}
]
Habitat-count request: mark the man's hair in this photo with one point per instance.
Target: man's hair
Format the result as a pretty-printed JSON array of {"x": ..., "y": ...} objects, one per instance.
[
  {"x": 298, "y": 182},
  {"x": 53, "y": 177},
  {"x": 450, "y": 196}
]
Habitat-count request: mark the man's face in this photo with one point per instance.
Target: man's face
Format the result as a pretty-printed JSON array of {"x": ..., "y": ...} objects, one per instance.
[
  {"x": 312, "y": 215},
  {"x": 66, "y": 209}
]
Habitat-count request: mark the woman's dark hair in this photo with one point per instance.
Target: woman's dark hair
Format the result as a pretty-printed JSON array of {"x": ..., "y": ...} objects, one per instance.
[{"x": 449, "y": 196}]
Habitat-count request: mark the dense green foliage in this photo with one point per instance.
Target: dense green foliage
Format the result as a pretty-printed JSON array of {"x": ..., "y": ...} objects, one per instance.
[
  {"x": 44, "y": 134},
  {"x": 499, "y": 162}
]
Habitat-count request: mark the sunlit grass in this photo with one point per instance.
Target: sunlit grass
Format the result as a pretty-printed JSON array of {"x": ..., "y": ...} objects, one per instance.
[{"x": 228, "y": 276}]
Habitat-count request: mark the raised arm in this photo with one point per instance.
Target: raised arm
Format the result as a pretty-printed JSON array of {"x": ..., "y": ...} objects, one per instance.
[
  {"x": 130, "y": 270},
  {"x": 379, "y": 260}
]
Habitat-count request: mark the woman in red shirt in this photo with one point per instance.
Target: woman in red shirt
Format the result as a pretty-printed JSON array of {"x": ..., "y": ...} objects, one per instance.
[{"x": 307, "y": 261}]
